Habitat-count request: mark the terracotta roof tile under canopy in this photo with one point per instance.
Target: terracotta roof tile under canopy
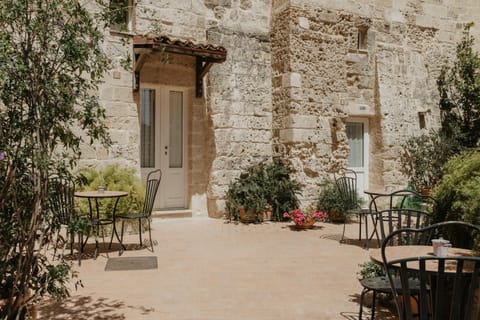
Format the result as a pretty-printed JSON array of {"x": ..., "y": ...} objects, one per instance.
[{"x": 205, "y": 54}]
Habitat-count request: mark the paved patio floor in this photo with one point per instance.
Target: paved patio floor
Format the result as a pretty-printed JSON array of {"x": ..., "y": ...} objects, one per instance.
[{"x": 209, "y": 269}]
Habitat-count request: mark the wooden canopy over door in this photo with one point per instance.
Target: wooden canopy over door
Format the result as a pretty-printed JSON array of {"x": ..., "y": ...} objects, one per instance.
[{"x": 205, "y": 54}]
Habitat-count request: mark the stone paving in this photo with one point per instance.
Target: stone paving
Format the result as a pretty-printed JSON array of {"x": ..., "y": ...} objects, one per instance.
[{"x": 209, "y": 269}]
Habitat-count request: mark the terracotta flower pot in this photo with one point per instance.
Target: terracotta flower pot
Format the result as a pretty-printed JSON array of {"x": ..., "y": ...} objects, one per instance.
[
  {"x": 249, "y": 217},
  {"x": 305, "y": 225}
]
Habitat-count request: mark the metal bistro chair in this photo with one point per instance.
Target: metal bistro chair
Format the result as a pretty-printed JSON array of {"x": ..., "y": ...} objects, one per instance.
[
  {"x": 446, "y": 287},
  {"x": 347, "y": 188},
  {"x": 389, "y": 221},
  {"x": 61, "y": 201},
  {"x": 407, "y": 199},
  {"x": 151, "y": 188}
]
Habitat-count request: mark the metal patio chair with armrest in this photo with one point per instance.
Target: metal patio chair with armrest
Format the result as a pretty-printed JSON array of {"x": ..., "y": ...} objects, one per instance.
[
  {"x": 408, "y": 199},
  {"x": 347, "y": 188},
  {"x": 151, "y": 188},
  {"x": 61, "y": 202},
  {"x": 389, "y": 221},
  {"x": 446, "y": 287}
]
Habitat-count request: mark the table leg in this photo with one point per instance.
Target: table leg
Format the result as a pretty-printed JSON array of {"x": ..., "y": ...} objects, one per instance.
[{"x": 114, "y": 231}]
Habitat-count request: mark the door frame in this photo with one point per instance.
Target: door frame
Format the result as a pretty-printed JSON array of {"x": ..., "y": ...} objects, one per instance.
[
  {"x": 366, "y": 150},
  {"x": 187, "y": 91}
]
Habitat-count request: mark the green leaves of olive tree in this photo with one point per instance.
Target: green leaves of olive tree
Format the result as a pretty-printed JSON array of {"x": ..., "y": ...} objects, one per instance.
[
  {"x": 51, "y": 64},
  {"x": 459, "y": 87}
]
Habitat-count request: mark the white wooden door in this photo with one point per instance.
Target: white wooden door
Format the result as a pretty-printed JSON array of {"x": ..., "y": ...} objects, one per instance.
[
  {"x": 162, "y": 135},
  {"x": 357, "y": 133}
]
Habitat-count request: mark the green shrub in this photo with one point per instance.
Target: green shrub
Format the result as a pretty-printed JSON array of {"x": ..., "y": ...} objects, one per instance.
[
  {"x": 371, "y": 269},
  {"x": 281, "y": 190},
  {"x": 458, "y": 193},
  {"x": 116, "y": 178},
  {"x": 331, "y": 201},
  {"x": 263, "y": 185},
  {"x": 422, "y": 158}
]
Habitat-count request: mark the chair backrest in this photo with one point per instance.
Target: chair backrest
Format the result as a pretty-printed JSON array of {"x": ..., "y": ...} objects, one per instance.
[
  {"x": 61, "y": 199},
  {"x": 347, "y": 187},
  {"x": 404, "y": 198},
  {"x": 345, "y": 172},
  {"x": 391, "y": 220},
  {"x": 151, "y": 188},
  {"x": 445, "y": 287}
]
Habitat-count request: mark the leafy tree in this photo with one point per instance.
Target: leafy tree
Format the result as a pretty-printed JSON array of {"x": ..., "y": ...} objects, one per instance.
[
  {"x": 423, "y": 156},
  {"x": 51, "y": 63},
  {"x": 458, "y": 194},
  {"x": 459, "y": 88}
]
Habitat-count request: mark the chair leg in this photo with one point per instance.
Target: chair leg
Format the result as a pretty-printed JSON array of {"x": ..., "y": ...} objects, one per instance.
[
  {"x": 140, "y": 231},
  {"x": 362, "y": 296},
  {"x": 343, "y": 232},
  {"x": 72, "y": 240},
  {"x": 373, "y": 303},
  {"x": 80, "y": 248},
  {"x": 150, "y": 232},
  {"x": 120, "y": 252},
  {"x": 366, "y": 231},
  {"x": 359, "y": 216}
]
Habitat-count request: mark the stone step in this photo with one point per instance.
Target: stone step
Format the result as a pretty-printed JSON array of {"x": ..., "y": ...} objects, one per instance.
[{"x": 165, "y": 214}]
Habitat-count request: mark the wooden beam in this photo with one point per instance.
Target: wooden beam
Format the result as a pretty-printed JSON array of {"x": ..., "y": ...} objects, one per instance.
[
  {"x": 140, "y": 61},
  {"x": 198, "y": 77}
]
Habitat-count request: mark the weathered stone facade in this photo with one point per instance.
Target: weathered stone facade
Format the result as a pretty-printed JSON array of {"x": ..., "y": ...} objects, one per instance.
[{"x": 296, "y": 70}]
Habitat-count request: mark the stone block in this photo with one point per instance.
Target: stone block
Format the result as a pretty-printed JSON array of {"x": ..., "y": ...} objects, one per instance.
[
  {"x": 302, "y": 121},
  {"x": 435, "y": 10},
  {"x": 217, "y": 3},
  {"x": 291, "y": 79},
  {"x": 303, "y": 23},
  {"x": 299, "y": 135},
  {"x": 394, "y": 15},
  {"x": 425, "y": 21}
]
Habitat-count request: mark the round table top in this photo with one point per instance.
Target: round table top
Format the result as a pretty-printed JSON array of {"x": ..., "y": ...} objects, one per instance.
[
  {"x": 383, "y": 192},
  {"x": 401, "y": 252},
  {"x": 104, "y": 194}
]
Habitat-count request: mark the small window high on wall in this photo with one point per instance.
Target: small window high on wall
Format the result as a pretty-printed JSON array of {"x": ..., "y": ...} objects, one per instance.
[
  {"x": 121, "y": 13},
  {"x": 421, "y": 120},
  {"x": 362, "y": 38}
]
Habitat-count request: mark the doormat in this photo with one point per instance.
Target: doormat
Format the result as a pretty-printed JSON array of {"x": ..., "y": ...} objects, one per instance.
[{"x": 131, "y": 263}]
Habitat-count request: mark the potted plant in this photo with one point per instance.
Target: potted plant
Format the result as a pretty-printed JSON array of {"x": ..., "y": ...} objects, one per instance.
[
  {"x": 263, "y": 191},
  {"x": 280, "y": 189},
  {"x": 305, "y": 218},
  {"x": 331, "y": 202},
  {"x": 245, "y": 197}
]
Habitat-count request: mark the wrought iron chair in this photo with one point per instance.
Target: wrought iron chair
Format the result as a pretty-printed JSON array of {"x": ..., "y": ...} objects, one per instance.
[
  {"x": 446, "y": 287},
  {"x": 347, "y": 188},
  {"x": 408, "y": 199},
  {"x": 61, "y": 202},
  {"x": 151, "y": 188},
  {"x": 389, "y": 221}
]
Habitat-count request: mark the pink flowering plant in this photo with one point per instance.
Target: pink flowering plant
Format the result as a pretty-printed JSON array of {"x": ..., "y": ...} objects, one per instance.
[{"x": 301, "y": 217}]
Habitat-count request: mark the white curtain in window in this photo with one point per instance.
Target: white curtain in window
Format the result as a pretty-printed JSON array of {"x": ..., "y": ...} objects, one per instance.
[
  {"x": 176, "y": 130},
  {"x": 356, "y": 144},
  {"x": 147, "y": 128}
]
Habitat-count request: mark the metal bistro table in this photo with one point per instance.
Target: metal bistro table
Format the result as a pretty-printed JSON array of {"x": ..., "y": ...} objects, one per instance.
[
  {"x": 431, "y": 266},
  {"x": 401, "y": 252},
  {"x": 97, "y": 221}
]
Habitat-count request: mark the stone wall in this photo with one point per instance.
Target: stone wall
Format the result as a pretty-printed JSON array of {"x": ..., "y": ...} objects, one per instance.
[
  {"x": 294, "y": 74},
  {"x": 239, "y": 104},
  {"x": 322, "y": 77},
  {"x": 231, "y": 128},
  {"x": 117, "y": 97}
]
